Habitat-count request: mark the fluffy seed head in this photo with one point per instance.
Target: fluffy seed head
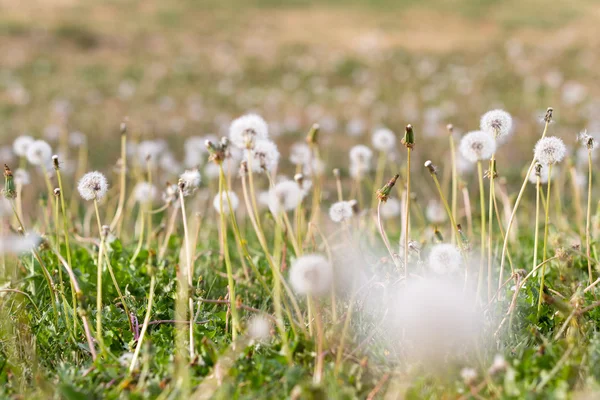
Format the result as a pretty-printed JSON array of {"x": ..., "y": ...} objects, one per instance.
[
  {"x": 477, "y": 145},
  {"x": 311, "y": 274},
  {"x": 259, "y": 328},
  {"x": 300, "y": 154},
  {"x": 468, "y": 375},
  {"x": 391, "y": 208},
  {"x": 226, "y": 210},
  {"x": 542, "y": 170},
  {"x": 21, "y": 144},
  {"x": 144, "y": 192},
  {"x": 39, "y": 153},
  {"x": 384, "y": 140},
  {"x": 77, "y": 139},
  {"x": 496, "y": 122},
  {"x": 444, "y": 258},
  {"x": 21, "y": 177},
  {"x": 361, "y": 154},
  {"x": 550, "y": 150},
  {"x": 191, "y": 180},
  {"x": 247, "y": 129},
  {"x": 341, "y": 211},
  {"x": 435, "y": 212},
  {"x": 265, "y": 156},
  {"x": 587, "y": 140},
  {"x": 284, "y": 196},
  {"x": 93, "y": 185}
]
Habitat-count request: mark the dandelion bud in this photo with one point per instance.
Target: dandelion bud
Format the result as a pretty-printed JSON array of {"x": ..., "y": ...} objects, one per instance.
[
  {"x": 9, "y": 184},
  {"x": 409, "y": 137},
  {"x": 313, "y": 133},
  {"x": 341, "y": 211},
  {"x": 384, "y": 192},
  {"x": 432, "y": 169},
  {"x": 311, "y": 274},
  {"x": 92, "y": 185},
  {"x": 55, "y": 162},
  {"x": 336, "y": 172},
  {"x": 450, "y": 128},
  {"x": 549, "y": 150},
  {"x": 57, "y": 192},
  {"x": 123, "y": 127}
]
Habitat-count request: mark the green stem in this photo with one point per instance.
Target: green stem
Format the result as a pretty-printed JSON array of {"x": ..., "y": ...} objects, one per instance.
[
  {"x": 145, "y": 324},
  {"x": 482, "y": 207},
  {"x": 544, "y": 255}
]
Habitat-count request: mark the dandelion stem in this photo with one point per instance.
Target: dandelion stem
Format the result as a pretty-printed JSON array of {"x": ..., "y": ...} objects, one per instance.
[
  {"x": 407, "y": 211},
  {"x": 482, "y": 211},
  {"x": 542, "y": 277},
  {"x": 99, "y": 278},
  {"x": 537, "y": 220},
  {"x": 454, "y": 180},
  {"x": 588, "y": 217},
  {"x": 145, "y": 324},
  {"x": 117, "y": 220},
  {"x": 492, "y": 173}
]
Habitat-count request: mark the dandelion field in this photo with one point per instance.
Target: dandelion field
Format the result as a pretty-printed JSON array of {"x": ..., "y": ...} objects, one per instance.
[{"x": 310, "y": 200}]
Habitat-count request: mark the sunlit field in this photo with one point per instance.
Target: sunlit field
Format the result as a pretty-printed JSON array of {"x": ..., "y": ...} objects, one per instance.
[{"x": 305, "y": 200}]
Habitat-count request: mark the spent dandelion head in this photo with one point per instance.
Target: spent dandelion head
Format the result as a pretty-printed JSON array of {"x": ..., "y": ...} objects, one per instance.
[
  {"x": 265, "y": 156},
  {"x": 191, "y": 179},
  {"x": 311, "y": 274},
  {"x": 497, "y": 122},
  {"x": 477, "y": 145},
  {"x": 550, "y": 150},
  {"x": 246, "y": 130},
  {"x": 587, "y": 140},
  {"x": 144, "y": 192},
  {"x": 93, "y": 185},
  {"x": 284, "y": 196}
]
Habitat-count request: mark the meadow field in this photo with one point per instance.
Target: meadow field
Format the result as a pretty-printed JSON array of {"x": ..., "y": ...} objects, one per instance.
[{"x": 299, "y": 199}]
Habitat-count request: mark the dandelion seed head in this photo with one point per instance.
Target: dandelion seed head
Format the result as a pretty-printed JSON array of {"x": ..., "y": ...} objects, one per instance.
[
  {"x": 549, "y": 150},
  {"x": 93, "y": 185},
  {"x": 444, "y": 258},
  {"x": 77, "y": 139},
  {"x": 21, "y": 144},
  {"x": 586, "y": 140},
  {"x": 341, "y": 211},
  {"x": 265, "y": 156},
  {"x": 468, "y": 375},
  {"x": 17, "y": 244},
  {"x": 311, "y": 274},
  {"x": 498, "y": 365},
  {"x": 477, "y": 145},
  {"x": 497, "y": 122},
  {"x": 226, "y": 210},
  {"x": 150, "y": 150},
  {"x": 39, "y": 153},
  {"x": 543, "y": 172},
  {"x": 300, "y": 154},
  {"x": 259, "y": 328},
  {"x": 21, "y": 177},
  {"x": 144, "y": 192},
  {"x": 284, "y": 196},
  {"x": 245, "y": 131},
  {"x": 361, "y": 155},
  {"x": 383, "y": 140},
  {"x": 171, "y": 194},
  {"x": 191, "y": 180},
  {"x": 435, "y": 212}
]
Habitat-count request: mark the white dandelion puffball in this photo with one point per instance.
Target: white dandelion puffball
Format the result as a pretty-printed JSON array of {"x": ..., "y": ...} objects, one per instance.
[
  {"x": 17, "y": 244},
  {"x": 259, "y": 328},
  {"x": 391, "y": 208},
  {"x": 93, "y": 185},
  {"x": 150, "y": 151},
  {"x": 435, "y": 212},
  {"x": 549, "y": 150},
  {"x": 245, "y": 131},
  {"x": 311, "y": 274},
  {"x": 232, "y": 198},
  {"x": 300, "y": 154},
  {"x": 361, "y": 155},
  {"x": 444, "y": 259},
  {"x": 284, "y": 196},
  {"x": 496, "y": 122},
  {"x": 171, "y": 194},
  {"x": 21, "y": 144},
  {"x": 191, "y": 180},
  {"x": 468, "y": 375},
  {"x": 477, "y": 145},
  {"x": 22, "y": 177},
  {"x": 265, "y": 156},
  {"x": 77, "y": 139},
  {"x": 341, "y": 211},
  {"x": 543, "y": 174},
  {"x": 39, "y": 153},
  {"x": 144, "y": 192},
  {"x": 383, "y": 140}
]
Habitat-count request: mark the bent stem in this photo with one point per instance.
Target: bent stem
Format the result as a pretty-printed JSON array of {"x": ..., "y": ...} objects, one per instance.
[
  {"x": 99, "y": 279},
  {"x": 383, "y": 234},
  {"x": 189, "y": 271}
]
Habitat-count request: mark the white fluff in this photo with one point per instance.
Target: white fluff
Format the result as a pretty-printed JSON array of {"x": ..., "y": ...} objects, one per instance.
[
  {"x": 39, "y": 153},
  {"x": 265, "y": 156},
  {"x": 496, "y": 122},
  {"x": 435, "y": 212},
  {"x": 300, "y": 154},
  {"x": 232, "y": 198},
  {"x": 477, "y": 145},
  {"x": 543, "y": 174},
  {"x": 93, "y": 185},
  {"x": 391, "y": 208},
  {"x": 384, "y": 140},
  {"x": 311, "y": 274},
  {"x": 144, "y": 192},
  {"x": 191, "y": 179},
  {"x": 361, "y": 154},
  {"x": 259, "y": 328},
  {"x": 284, "y": 196},
  {"x": 549, "y": 150},
  {"x": 444, "y": 258},
  {"x": 21, "y": 177},
  {"x": 21, "y": 144},
  {"x": 341, "y": 211},
  {"x": 245, "y": 131}
]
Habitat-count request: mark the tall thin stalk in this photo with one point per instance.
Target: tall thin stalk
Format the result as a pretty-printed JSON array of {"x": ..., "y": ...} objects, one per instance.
[
  {"x": 409, "y": 142},
  {"x": 482, "y": 211},
  {"x": 117, "y": 219},
  {"x": 589, "y": 213},
  {"x": 544, "y": 254},
  {"x": 492, "y": 177}
]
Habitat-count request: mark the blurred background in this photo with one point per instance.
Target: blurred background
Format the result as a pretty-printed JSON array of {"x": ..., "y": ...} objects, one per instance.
[{"x": 182, "y": 68}]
